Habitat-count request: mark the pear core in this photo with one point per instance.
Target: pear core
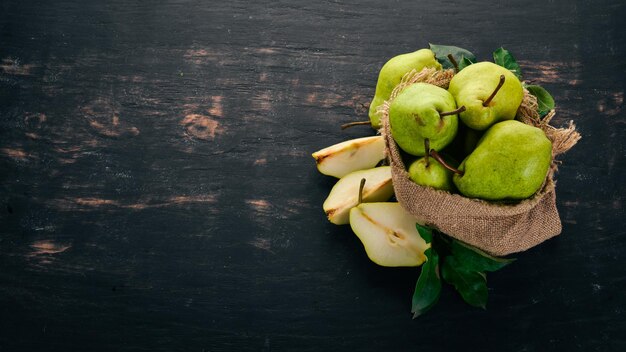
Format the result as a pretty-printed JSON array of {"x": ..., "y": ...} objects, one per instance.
[
  {"x": 345, "y": 193},
  {"x": 356, "y": 154},
  {"x": 388, "y": 234}
]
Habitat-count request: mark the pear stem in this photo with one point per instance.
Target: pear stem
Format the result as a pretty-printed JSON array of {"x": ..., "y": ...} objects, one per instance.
[
  {"x": 453, "y": 112},
  {"x": 356, "y": 123},
  {"x": 427, "y": 151},
  {"x": 438, "y": 157},
  {"x": 454, "y": 63},
  {"x": 361, "y": 186},
  {"x": 495, "y": 91}
]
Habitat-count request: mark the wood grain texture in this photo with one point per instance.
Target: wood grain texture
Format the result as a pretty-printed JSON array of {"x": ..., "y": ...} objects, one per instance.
[{"x": 157, "y": 190}]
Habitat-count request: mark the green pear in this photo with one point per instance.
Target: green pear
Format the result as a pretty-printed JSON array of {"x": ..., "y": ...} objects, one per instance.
[
  {"x": 470, "y": 140},
  {"x": 345, "y": 193},
  {"x": 429, "y": 172},
  {"x": 489, "y": 92},
  {"x": 511, "y": 161},
  {"x": 388, "y": 234},
  {"x": 464, "y": 142},
  {"x": 356, "y": 154},
  {"x": 391, "y": 74},
  {"x": 423, "y": 111}
]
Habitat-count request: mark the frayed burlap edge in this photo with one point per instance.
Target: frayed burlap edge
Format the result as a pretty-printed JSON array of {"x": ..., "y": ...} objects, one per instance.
[
  {"x": 563, "y": 139},
  {"x": 497, "y": 228}
]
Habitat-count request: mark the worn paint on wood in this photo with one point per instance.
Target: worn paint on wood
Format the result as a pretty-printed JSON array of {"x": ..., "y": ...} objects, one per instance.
[{"x": 157, "y": 190}]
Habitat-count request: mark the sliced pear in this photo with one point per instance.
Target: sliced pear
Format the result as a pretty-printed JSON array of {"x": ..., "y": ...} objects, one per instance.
[
  {"x": 345, "y": 193},
  {"x": 356, "y": 154},
  {"x": 388, "y": 234}
]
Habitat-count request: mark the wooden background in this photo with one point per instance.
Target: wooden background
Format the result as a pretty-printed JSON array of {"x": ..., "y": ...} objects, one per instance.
[{"x": 157, "y": 190}]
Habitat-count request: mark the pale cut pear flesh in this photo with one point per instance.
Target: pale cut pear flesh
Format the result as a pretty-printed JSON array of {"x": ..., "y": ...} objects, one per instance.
[
  {"x": 356, "y": 154},
  {"x": 345, "y": 194},
  {"x": 388, "y": 234}
]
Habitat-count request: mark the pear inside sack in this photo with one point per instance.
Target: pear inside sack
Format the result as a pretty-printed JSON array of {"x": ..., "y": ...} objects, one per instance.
[
  {"x": 511, "y": 161},
  {"x": 391, "y": 74}
]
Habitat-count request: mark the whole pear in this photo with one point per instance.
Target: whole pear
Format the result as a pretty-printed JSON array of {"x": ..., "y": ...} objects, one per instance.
[
  {"x": 391, "y": 74},
  {"x": 510, "y": 161},
  {"x": 422, "y": 111},
  {"x": 429, "y": 172},
  {"x": 474, "y": 86}
]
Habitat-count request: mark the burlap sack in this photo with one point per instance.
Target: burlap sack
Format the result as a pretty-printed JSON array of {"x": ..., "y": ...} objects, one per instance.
[{"x": 497, "y": 228}]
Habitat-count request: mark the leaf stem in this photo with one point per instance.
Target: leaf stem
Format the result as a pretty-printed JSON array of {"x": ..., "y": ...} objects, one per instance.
[{"x": 454, "y": 63}]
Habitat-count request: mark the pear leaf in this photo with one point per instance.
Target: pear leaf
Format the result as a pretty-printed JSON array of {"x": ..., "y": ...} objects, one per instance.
[
  {"x": 425, "y": 232},
  {"x": 442, "y": 52},
  {"x": 428, "y": 286},
  {"x": 504, "y": 58},
  {"x": 474, "y": 259},
  {"x": 544, "y": 99},
  {"x": 465, "y": 62},
  {"x": 471, "y": 284}
]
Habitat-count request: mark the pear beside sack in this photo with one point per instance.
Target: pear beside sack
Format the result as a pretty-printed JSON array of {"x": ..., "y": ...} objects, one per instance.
[{"x": 497, "y": 228}]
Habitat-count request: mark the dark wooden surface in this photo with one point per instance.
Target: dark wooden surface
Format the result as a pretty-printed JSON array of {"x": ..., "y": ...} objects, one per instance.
[{"x": 157, "y": 190}]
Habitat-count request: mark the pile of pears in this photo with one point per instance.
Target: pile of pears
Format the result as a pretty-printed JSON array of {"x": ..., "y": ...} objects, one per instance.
[
  {"x": 503, "y": 159},
  {"x": 361, "y": 198},
  {"x": 473, "y": 120}
]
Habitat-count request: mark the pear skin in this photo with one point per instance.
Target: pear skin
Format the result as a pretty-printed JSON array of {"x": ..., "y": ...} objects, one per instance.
[
  {"x": 471, "y": 140},
  {"x": 414, "y": 115},
  {"x": 511, "y": 161},
  {"x": 464, "y": 142},
  {"x": 473, "y": 85},
  {"x": 432, "y": 175},
  {"x": 388, "y": 234},
  {"x": 391, "y": 74}
]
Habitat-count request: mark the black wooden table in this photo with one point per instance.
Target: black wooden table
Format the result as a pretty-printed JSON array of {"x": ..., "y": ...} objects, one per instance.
[{"x": 157, "y": 190}]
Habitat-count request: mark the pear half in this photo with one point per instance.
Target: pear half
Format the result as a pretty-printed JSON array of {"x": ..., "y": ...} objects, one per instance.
[
  {"x": 388, "y": 234},
  {"x": 356, "y": 154},
  {"x": 345, "y": 193}
]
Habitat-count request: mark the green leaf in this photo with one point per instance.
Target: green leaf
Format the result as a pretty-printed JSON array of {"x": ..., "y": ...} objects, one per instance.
[
  {"x": 471, "y": 284},
  {"x": 425, "y": 232},
  {"x": 544, "y": 99},
  {"x": 428, "y": 286},
  {"x": 472, "y": 258},
  {"x": 442, "y": 51},
  {"x": 465, "y": 62},
  {"x": 504, "y": 58}
]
